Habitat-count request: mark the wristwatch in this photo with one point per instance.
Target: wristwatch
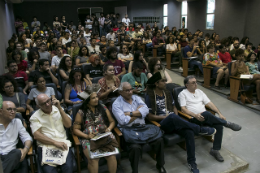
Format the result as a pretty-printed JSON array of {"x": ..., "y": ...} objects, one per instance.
[{"x": 131, "y": 114}]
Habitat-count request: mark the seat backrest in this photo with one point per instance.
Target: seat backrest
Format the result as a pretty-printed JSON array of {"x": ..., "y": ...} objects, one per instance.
[
  {"x": 75, "y": 109},
  {"x": 182, "y": 52},
  {"x": 85, "y": 67},
  {"x": 63, "y": 86},
  {"x": 49, "y": 85},
  {"x": 176, "y": 92},
  {"x": 20, "y": 82},
  {"x": 229, "y": 68},
  {"x": 96, "y": 79}
]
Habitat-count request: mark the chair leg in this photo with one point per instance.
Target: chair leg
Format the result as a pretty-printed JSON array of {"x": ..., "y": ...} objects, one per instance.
[
  {"x": 209, "y": 138},
  {"x": 31, "y": 164},
  {"x": 78, "y": 159}
]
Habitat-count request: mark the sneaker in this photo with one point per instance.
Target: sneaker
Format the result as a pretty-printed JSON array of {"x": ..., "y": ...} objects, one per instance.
[
  {"x": 216, "y": 154},
  {"x": 181, "y": 69},
  {"x": 233, "y": 126},
  {"x": 193, "y": 168},
  {"x": 207, "y": 131}
]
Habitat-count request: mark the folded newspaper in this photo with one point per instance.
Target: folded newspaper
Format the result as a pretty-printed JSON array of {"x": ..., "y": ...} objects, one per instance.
[
  {"x": 246, "y": 76},
  {"x": 100, "y": 135},
  {"x": 97, "y": 154}
]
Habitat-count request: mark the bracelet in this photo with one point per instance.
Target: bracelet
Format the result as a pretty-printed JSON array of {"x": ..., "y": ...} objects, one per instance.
[{"x": 27, "y": 147}]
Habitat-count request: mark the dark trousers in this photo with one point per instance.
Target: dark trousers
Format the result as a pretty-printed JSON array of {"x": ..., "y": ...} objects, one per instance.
[
  {"x": 135, "y": 151},
  {"x": 161, "y": 51},
  {"x": 193, "y": 63},
  {"x": 175, "y": 124},
  {"x": 215, "y": 122},
  {"x": 178, "y": 55},
  {"x": 11, "y": 162},
  {"x": 66, "y": 167}
]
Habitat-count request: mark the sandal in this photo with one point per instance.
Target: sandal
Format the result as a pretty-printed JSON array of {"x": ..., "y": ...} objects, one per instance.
[{"x": 217, "y": 87}]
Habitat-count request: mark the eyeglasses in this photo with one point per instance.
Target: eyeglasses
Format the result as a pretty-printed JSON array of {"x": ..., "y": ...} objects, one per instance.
[
  {"x": 129, "y": 90},
  {"x": 44, "y": 103},
  {"x": 11, "y": 109},
  {"x": 8, "y": 87},
  {"x": 193, "y": 83}
]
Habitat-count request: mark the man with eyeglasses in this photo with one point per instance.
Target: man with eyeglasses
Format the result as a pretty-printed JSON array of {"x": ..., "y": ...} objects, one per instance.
[
  {"x": 13, "y": 158},
  {"x": 129, "y": 109},
  {"x": 47, "y": 125},
  {"x": 193, "y": 102}
]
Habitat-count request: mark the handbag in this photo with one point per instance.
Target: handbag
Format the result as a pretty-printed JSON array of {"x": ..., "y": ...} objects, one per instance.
[{"x": 141, "y": 133}]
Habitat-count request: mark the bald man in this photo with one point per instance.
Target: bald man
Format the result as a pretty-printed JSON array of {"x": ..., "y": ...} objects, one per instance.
[
  {"x": 47, "y": 125},
  {"x": 10, "y": 127}
]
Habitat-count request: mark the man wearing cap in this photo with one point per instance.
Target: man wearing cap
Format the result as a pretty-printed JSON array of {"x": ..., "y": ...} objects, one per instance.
[{"x": 162, "y": 109}]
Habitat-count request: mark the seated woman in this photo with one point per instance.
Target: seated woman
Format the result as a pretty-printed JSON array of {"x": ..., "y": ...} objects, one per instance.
[
  {"x": 172, "y": 47},
  {"x": 17, "y": 57},
  {"x": 76, "y": 84},
  {"x": 219, "y": 70},
  {"x": 89, "y": 120},
  {"x": 83, "y": 56},
  {"x": 147, "y": 40},
  {"x": 252, "y": 63},
  {"x": 201, "y": 50},
  {"x": 22, "y": 39},
  {"x": 33, "y": 60},
  {"x": 103, "y": 41},
  {"x": 65, "y": 67},
  {"x": 41, "y": 88},
  {"x": 138, "y": 56},
  {"x": 124, "y": 54},
  {"x": 239, "y": 67},
  {"x": 154, "y": 66},
  {"x": 109, "y": 83},
  {"x": 73, "y": 51},
  {"x": 95, "y": 69}
]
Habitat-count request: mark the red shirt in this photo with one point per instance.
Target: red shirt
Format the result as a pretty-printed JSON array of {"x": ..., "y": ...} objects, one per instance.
[
  {"x": 22, "y": 66},
  {"x": 225, "y": 58},
  {"x": 118, "y": 66},
  {"x": 115, "y": 29},
  {"x": 20, "y": 74}
]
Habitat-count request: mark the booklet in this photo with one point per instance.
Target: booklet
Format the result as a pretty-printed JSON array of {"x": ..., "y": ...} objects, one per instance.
[
  {"x": 246, "y": 76},
  {"x": 101, "y": 135},
  {"x": 97, "y": 154}
]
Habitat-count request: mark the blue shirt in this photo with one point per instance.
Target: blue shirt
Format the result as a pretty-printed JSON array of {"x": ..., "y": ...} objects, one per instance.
[
  {"x": 188, "y": 49},
  {"x": 120, "y": 106}
]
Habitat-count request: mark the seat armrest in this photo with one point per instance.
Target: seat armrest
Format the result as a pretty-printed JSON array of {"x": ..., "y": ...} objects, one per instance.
[
  {"x": 76, "y": 139},
  {"x": 58, "y": 86},
  {"x": 154, "y": 123},
  {"x": 30, "y": 152},
  {"x": 234, "y": 77},
  {"x": 185, "y": 115},
  {"x": 27, "y": 112},
  {"x": 207, "y": 66},
  {"x": 208, "y": 108},
  {"x": 117, "y": 131}
]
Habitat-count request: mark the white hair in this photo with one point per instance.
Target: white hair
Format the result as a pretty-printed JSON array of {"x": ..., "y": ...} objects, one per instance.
[{"x": 120, "y": 88}]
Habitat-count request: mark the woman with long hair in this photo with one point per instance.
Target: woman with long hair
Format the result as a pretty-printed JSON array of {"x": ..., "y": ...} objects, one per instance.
[
  {"x": 73, "y": 50},
  {"x": 17, "y": 57},
  {"x": 56, "y": 22},
  {"x": 138, "y": 57},
  {"x": 92, "y": 118},
  {"x": 124, "y": 54},
  {"x": 252, "y": 63},
  {"x": 147, "y": 40},
  {"x": 63, "y": 23},
  {"x": 83, "y": 56},
  {"x": 243, "y": 43},
  {"x": 154, "y": 66},
  {"x": 33, "y": 60},
  {"x": 23, "y": 40},
  {"x": 65, "y": 67}
]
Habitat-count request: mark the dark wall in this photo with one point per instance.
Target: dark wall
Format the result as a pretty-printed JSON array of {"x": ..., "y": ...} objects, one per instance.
[{"x": 174, "y": 13}]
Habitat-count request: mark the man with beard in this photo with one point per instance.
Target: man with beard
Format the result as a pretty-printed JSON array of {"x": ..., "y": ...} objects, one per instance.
[
  {"x": 234, "y": 47},
  {"x": 137, "y": 79},
  {"x": 119, "y": 66}
]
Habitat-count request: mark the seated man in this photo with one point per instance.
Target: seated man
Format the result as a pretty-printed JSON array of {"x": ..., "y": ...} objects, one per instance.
[
  {"x": 20, "y": 76},
  {"x": 119, "y": 66},
  {"x": 129, "y": 109},
  {"x": 137, "y": 79},
  {"x": 224, "y": 56},
  {"x": 191, "y": 51},
  {"x": 44, "y": 70},
  {"x": 193, "y": 102},
  {"x": 13, "y": 158},
  {"x": 47, "y": 126},
  {"x": 159, "y": 43},
  {"x": 93, "y": 48},
  {"x": 164, "y": 111}
]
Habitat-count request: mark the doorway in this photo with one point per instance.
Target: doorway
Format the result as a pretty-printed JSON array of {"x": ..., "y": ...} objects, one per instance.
[{"x": 84, "y": 11}]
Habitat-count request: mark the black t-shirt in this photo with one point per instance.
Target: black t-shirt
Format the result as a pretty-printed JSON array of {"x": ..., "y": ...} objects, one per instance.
[
  {"x": 103, "y": 58},
  {"x": 95, "y": 71},
  {"x": 46, "y": 76},
  {"x": 64, "y": 24}
]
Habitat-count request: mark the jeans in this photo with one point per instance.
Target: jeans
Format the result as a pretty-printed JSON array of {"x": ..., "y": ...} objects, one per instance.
[
  {"x": 149, "y": 45},
  {"x": 101, "y": 31},
  {"x": 135, "y": 151},
  {"x": 215, "y": 122},
  {"x": 193, "y": 63},
  {"x": 161, "y": 50},
  {"x": 66, "y": 167},
  {"x": 178, "y": 54},
  {"x": 11, "y": 162},
  {"x": 174, "y": 123}
]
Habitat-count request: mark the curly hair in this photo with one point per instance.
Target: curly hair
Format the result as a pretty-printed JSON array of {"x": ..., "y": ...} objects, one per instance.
[
  {"x": 239, "y": 52},
  {"x": 71, "y": 76},
  {"x": 111, "y": 50},
  {"x": 249, "y": 56},
  {"x": 7, "y": 78},
  {"x": 152, "y": 62},
  {"x": 63, "y": 65}
]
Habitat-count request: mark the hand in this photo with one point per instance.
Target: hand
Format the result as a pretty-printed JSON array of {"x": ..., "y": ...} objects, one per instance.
[
  {"x": 56, "y": 103},
  {"x": 136, "y": 91},
  {"x": 24, "y": 91},
  {"x": 222, "y": 117},
  {"x": 48, "y": 70},
  {"x": 194, "y": 47},
  {"x": 23, "y": 153},
  {"x": 200, "y": 117},
  {"x": 108, "y": 130},
  {"x": 114, "y": 88},
  {"x": 31, "y": 109},
  {"x": 72, "y": 48},
  {"x": 61, "y": 145},
  {"x": 127, "y": 113},
  {"x": 91, "y": 135}
]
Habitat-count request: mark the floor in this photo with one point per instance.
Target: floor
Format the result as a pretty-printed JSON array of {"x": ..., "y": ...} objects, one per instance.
[{"x": 242, "y": 146}]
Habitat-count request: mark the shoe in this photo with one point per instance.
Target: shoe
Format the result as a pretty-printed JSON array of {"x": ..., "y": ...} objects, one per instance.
[
  {"x": 216, "y": 154},
  {"x": 207, "y": 131},
  {"x": 233, "y": 126},
  {"x": 217, "y": 87},
  {"x": 161, "y": 169},
  {"x": 193, "y": 168},
  {"x": 181, "y": 69}
]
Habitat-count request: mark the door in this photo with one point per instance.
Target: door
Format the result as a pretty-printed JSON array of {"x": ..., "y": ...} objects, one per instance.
[{"x": 121, "y": 11}]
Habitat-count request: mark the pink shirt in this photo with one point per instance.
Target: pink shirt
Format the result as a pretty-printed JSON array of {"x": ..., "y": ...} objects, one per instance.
[{"x": 22, "y": 66}]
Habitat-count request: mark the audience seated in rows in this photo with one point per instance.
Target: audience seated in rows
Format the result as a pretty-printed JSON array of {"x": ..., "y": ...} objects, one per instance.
[{"x": 65, "y": 68}]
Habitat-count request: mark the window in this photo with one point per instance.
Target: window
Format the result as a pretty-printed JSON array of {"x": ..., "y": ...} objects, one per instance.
[
  {"x": 210, "y": 14},
  {"x": 184, "y": 12},
  {"x": 165, "y": 15}
]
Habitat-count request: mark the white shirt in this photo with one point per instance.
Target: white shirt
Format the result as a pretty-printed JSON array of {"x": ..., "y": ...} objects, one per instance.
[
  {"x": 9, "y": 136},
  {"x": 88, "y": 26},
  {"x": 56, "y": 60},
  {"x": 111, "y": 36},
  {"x": 207, "y": 42},
  {"x": 64, "y": 41},
  {"x": 101, "y": 20},
  {"x": 171, "y": 47},
  {"x": 127, "y": 21},
  {"x": 122, "y": 56},
  {"x": 193, "y": 102},
  {"x": 51, "y": 125},
  {"x": 92, "y": 50}
]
